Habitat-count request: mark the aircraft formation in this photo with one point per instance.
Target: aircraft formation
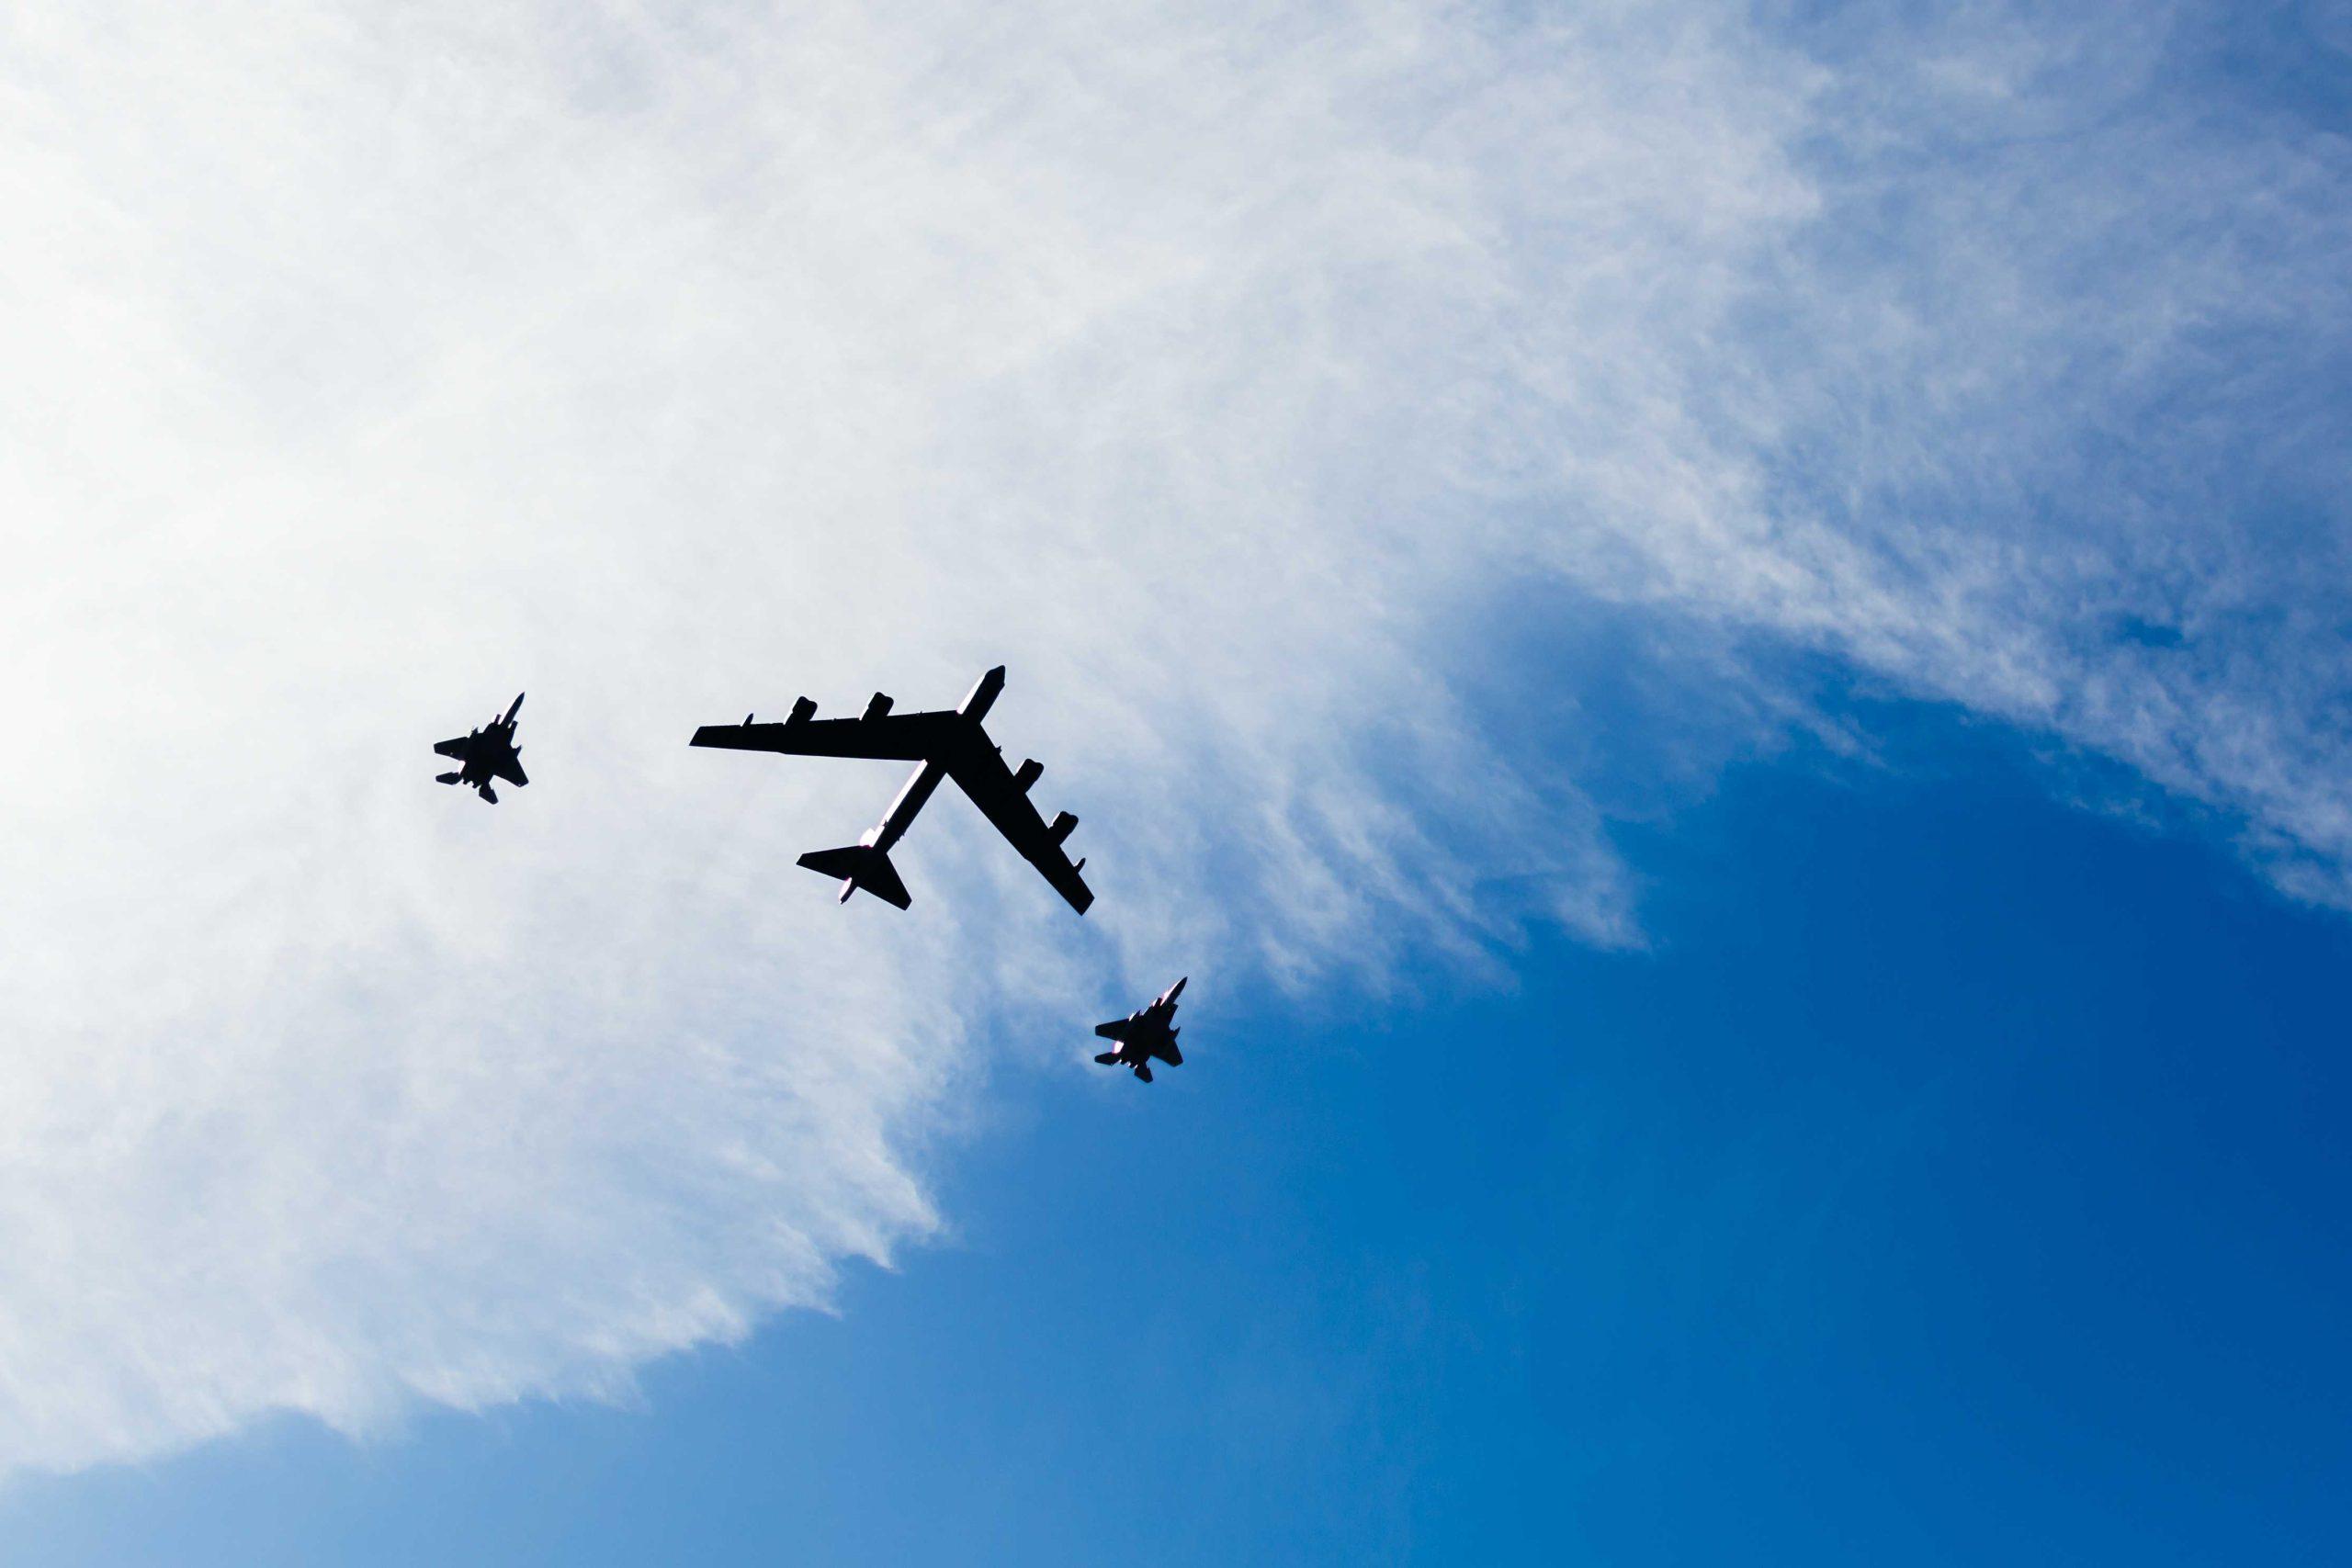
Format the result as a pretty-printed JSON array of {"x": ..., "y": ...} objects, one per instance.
[{"x": 948, "y": 745}]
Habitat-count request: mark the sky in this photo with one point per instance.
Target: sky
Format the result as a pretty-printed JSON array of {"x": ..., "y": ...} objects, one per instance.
[
  {"x": 1718, "y": 633},
  {"x": 1984, "y": 1204}
]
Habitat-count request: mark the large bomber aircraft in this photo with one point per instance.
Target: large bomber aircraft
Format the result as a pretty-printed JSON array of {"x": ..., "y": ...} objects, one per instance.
[
  {"x": 485, "y": 754},
  {"x": 947, "y": 745},
  {"x": 1144, "y": 1033}
]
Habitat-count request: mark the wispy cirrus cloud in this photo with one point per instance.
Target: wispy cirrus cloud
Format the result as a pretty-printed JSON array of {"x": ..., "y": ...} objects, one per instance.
[{"x": 1214, "y": 371}]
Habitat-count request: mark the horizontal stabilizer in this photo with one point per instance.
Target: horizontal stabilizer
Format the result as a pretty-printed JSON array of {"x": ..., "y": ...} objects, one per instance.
[
  {"x": 881, "y": 879},
  {"x": 840, "y": 864},
  {"x": 857, "y": 866}
]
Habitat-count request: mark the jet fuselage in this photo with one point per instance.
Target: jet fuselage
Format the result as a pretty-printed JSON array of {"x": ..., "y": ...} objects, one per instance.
[
  {"x": 1148, "y": 1033},
  {"x": 485, "y": 754}
]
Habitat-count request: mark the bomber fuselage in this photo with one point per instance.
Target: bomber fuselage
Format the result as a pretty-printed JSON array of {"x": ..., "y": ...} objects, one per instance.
[{"x": 920, "y": 784}]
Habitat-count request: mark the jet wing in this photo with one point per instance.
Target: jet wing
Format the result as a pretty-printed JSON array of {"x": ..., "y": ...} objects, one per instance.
[
  {"x": 1114, "y": 1030},
  {"x": 980, "y": 772},
  {"x": 456, "y": 748},
  {"x": 890, "y": 737},
  {"x": 510, "y": 771}
]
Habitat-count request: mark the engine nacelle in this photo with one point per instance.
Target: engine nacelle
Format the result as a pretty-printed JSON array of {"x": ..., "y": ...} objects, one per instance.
[
  {"x": 1027, "y": 773},
  {"x": 877, "y": 707},
  {"x": 803, "y": 710},
  {"x": 1061, "y": 827}
]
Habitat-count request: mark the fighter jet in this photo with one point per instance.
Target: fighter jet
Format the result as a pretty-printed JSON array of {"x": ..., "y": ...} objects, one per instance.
[
  {"x": 1144, "y": 1033},
  {"x": 485, "y": 754},
  {"x": 949, "y": 744}
]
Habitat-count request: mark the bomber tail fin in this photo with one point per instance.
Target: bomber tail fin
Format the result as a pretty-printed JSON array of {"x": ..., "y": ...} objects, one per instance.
[{"x": 857, "y": 866}]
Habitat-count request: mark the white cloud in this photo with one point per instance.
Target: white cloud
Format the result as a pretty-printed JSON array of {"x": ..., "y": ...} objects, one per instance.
[{"x": 1213, "y": 371}]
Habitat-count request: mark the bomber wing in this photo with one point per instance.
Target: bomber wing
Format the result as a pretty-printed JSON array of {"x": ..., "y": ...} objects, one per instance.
[
  {"x": 980, "y": 772},
  {"x": 888, "y": 737}
]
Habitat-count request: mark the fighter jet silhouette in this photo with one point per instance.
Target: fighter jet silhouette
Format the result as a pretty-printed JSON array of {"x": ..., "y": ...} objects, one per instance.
[
  {"x": 485, "y": 754},
  {"x": 948, "y": 745},
  {"x": 1144, "y": 1033}
]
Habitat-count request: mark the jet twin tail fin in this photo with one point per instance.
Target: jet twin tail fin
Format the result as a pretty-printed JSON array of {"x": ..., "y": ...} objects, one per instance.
[{"x": 860, "y": 866}]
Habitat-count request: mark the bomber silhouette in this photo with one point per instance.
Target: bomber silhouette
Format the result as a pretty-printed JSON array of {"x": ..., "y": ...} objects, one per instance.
[
  {"x": 1144, "y": 1033},
  {"x": 485, "y": 754},
  {"x": 946, "y": 745}
]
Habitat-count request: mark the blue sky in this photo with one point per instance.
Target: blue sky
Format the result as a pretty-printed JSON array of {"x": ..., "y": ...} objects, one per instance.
[
  {"x": 1720, "y": 633},
  {"x": 1958, "y": 1178}
]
